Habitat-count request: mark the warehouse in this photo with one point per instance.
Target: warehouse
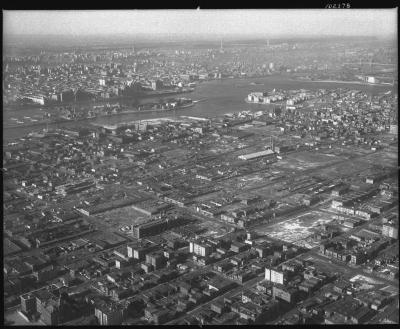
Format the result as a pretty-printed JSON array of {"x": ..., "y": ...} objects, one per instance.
[{"x": 256, "y": 155}]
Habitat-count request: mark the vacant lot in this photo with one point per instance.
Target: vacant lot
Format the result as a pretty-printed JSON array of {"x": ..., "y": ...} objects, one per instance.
[
  {"x": 214, "y": 228},
  {"x": 298, "y": 229},
  {"x": 304, "y": 160},
  {"x": 121, "y": 217},
  {"x": 384, "y": 158}
]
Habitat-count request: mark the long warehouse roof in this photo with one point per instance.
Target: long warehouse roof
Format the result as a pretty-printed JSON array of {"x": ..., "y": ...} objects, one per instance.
[{"x": 255, "y": 155}]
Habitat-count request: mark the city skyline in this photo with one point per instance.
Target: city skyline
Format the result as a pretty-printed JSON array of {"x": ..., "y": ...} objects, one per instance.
[{"x": 224, "y": 23}]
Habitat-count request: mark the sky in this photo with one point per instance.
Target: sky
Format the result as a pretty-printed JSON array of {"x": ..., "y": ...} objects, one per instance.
[{"x": 305, "y": 22}]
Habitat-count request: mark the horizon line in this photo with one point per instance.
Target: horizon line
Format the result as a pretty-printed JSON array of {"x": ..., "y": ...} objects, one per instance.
[{"x": 214, "y": 34}]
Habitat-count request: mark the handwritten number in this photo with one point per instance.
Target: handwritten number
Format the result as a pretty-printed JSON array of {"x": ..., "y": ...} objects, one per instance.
[{"x": 342, "y": 5}]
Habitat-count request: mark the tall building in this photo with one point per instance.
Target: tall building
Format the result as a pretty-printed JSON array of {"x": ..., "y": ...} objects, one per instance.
[
  {"x": 130, "y": 251},
  {"x": 275, "y": 276},
  {"x": 48, "y": 305},
  {"x": 221, "y": 49},
  {"x": 150, "y": 228},
  {"x": 139, "y": 251},
  {"x": 201, "y": 249},
  {"x": 28, "y": 303},
  {"x": 156, "y": 227},
  {"x": 391, "y": 231},
  {"x": 393, "y": 129},
  {"x": 156, "y": 84},
  {"x": 156, "y": 260},
  {"x": 109, "y": 314}
]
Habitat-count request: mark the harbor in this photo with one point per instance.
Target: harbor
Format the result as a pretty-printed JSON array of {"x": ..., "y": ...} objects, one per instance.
[{"x": 211, "y": 98}]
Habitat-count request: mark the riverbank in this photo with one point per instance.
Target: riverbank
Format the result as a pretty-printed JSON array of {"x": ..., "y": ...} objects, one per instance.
[
  {"x": 216, "y": 97},
  {"x": 266, "y": 104},
  {"x": 347, "y": 82},
  {"x": 139, "y": 96},
  {"x": 98, "y": 116}
]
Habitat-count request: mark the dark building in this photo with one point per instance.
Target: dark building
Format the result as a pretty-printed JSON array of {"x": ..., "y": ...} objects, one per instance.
[
  {"x": 109, "y": 314},
  {"x": 28, "y": 304},
  {"x": 48, "y": 305},
  {"x": 156, "y": 227},
  {"x": 156, "y": 259}
]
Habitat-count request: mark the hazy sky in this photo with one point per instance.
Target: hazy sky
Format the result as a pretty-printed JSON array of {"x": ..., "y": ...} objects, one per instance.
[{"x": 380, "y": 22}]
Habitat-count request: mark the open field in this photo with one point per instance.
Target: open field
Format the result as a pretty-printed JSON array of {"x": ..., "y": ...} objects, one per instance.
[
  {"x": 175, "y": 156},
  {"x": 250, "y": 181},
  {"x": 305, "y": 160},
  {"x": 326, "y": 265},
  {"x": 348, "y": 168},
  {"x": 209, "y": 196},
  {"x": 366, "y": 283},
  {"x": 272, "y": 191},
  {"x": 118, "y": 218},
  {"x": 363, "y": 278},
  {"x": 214, "y": 228},
  {"x": 297, "y": 230},
  {"x": 384, "y": 158},
  {"x": 313, "y": 157}
]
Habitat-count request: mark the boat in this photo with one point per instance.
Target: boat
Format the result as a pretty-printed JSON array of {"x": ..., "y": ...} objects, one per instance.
[
  {"x": 34, "y": 120},
  {"x": 185, "y": 106},
  {"x": 15, "y": 119},
  {"x": 184, "y": 103},
  {"x": 20, "y": 122},
  {"x": 27, "y": 117}
]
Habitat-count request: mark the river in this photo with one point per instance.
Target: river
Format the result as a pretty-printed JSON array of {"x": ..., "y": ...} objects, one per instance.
[{"x": 220, "y": 96}]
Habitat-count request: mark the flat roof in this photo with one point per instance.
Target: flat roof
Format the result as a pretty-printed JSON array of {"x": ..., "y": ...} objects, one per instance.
[{"x": 256, "y": 154}]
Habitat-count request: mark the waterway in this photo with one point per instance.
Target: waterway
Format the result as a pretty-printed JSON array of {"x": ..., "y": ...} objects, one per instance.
[{"x": 219, "y": 97}]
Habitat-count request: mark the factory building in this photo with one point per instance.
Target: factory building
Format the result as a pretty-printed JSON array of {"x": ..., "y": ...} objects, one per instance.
[{"x": 256, "y": 155}]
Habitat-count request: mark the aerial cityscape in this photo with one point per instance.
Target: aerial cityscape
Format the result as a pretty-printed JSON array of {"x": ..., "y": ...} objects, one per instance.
[{"x": 200, "y": 167}]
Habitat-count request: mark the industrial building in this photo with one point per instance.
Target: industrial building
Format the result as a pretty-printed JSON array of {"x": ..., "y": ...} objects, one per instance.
[
  {"x": 256, "y": 155},
  {"x": 156, "y": 227}
]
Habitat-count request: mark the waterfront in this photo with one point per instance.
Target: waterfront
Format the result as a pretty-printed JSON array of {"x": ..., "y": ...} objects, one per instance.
[{"x": 218, "y": 97}]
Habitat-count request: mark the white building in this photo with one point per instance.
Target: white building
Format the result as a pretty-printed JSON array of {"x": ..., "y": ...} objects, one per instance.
[
  {"x": 256, "y": 155},
  {"x": 200, "y": 249},
  {"x": 274, "y": 276}
]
